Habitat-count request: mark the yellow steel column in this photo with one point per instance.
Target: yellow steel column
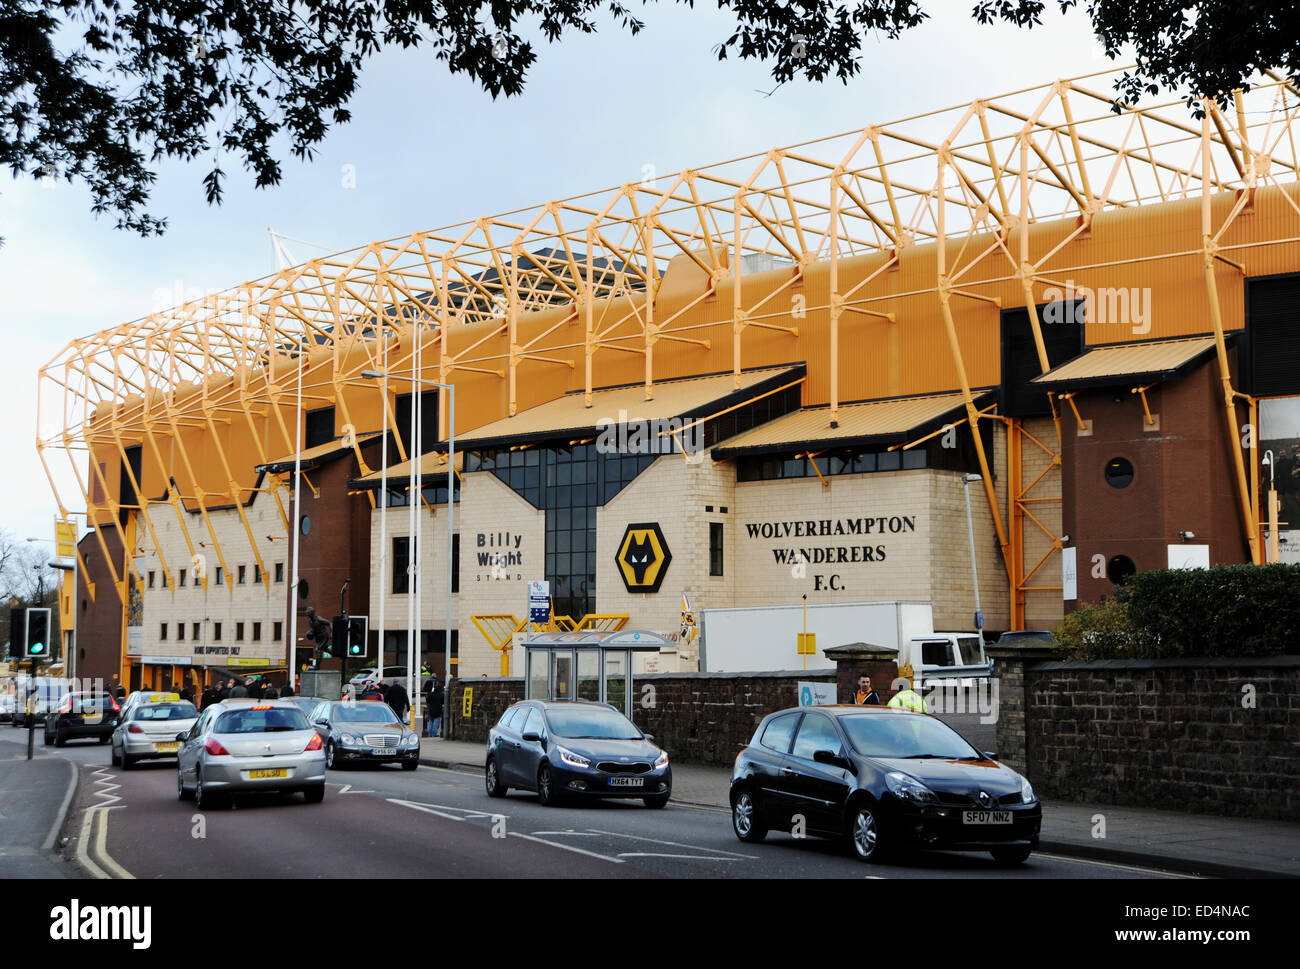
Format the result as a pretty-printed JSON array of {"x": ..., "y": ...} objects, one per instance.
[{"x": 1209, "y": 246}]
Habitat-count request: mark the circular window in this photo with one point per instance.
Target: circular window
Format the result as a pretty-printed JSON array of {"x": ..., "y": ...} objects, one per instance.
[
  {"x": 302, "y": 589},
  {"x": 305, "y": 525},
  {"x": 1119, "y": 472},
  {"x": 1119, "y": 568}
]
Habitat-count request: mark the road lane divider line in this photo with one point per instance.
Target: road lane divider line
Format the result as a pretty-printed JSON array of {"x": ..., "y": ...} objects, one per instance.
[
  {"x": 564, "y": 847},
  {"x": 1116, "y": 865},
  {"x": 674, "y": 844},
  {"x": 468, "y": 814},
  {"x": 664, "y": 854}
]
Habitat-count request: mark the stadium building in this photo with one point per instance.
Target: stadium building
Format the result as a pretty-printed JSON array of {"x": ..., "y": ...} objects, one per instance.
[{"x": 748, "y": 383}]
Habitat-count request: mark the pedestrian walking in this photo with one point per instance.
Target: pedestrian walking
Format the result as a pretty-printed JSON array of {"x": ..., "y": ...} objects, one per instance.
[
  {"x": 397, "y": 698},
  {"x": 433, "y": 708}
]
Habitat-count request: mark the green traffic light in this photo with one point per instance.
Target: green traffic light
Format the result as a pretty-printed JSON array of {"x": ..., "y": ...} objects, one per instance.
[
  {"x": 354, "y": 649},
  {"x": 38, "y": 648}
]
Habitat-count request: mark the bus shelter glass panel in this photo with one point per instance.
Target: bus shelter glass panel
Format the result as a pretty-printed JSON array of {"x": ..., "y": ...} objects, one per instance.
[
  {"x": 538, "y": 669},
  {"x": 562, "y": 675},
  {"x": 616, "y": 680},
  {"x": 588, "y": 674}
]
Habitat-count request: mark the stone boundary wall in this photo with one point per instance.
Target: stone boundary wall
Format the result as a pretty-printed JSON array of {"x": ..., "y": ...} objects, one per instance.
[
  {"x": 1219, "y": 736},
  {"x": 702, "y": 718}
]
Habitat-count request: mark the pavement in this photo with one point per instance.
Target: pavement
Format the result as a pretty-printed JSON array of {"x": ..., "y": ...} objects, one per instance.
[
  {"x": 34, "y": 800},
  {"x": 1197, "y": 844}
]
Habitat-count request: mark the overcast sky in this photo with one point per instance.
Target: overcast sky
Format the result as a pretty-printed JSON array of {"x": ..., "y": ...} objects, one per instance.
[{"x": 430, "y": 150}]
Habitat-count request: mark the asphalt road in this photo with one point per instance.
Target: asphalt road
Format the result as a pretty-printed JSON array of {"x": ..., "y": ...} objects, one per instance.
[{"x": 383, "y": 822}]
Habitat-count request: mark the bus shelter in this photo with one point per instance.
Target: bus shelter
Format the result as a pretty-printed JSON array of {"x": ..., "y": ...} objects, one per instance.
[{"x": 586, "y": 665}]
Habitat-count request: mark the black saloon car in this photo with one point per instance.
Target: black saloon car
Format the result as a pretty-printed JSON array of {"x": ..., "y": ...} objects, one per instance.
[
  {"x": 364, "y": 731},
  {"x": 883, "y": 778},
  {"x": 82, "y": 715},
  {"x": 574, "y": 748}
]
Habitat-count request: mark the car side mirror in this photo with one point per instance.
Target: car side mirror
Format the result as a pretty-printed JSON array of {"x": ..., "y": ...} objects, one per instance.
[
  {"x": 180, "y": 737},
  {"x": 322, "y": 723},
  {"x": 830, "y": 757},
  {"x": 533, "y": 738},
  {"x": 648, "y": 736},
  {"x": 989, "y": 754}
]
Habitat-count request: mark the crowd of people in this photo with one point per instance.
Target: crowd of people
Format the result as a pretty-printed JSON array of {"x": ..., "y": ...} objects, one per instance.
[{"x": 233, "y": 688}]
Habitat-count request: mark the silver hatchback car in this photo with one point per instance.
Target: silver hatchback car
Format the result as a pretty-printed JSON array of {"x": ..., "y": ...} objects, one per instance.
[
  {"x": 243, "y": 746},
  {"x": 149, "y": 730}
]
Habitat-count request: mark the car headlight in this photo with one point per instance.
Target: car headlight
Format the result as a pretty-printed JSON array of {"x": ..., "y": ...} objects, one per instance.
[
  {"x": 1027, "y": 795},
  {"x": 909, "y": 788},
  {"x": 662, "y": 762},
  {"x": 410, "y": 740},
  {"x": 572, "y": 759},
  {"x": 349, "y": 739}
]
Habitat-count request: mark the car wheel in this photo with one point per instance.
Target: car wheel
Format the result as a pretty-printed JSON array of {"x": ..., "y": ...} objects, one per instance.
[
  {"x": 492, "y": 778},
  {"x": 658, "y": 801},
  {"x": 60, "y": 738},
  {"x": 127, "y": 761},
  {"x": 181, "y": 793},
  {"x": 410, "y": 764},
  {"x": 864, "y": 833},
  {"x": 744, "y": 818},
  {"x": 1014, "y": 855},
  {"x": 104, "y": 739},
  {"x": 314, "y": 795},
  {"x": 204, "y": 801},
  {"x": 45, "y": 737},
  {"x": 330, "y": 763},
  {"x": 546, "y": 786},
  {"x": 113, "y": 757}
]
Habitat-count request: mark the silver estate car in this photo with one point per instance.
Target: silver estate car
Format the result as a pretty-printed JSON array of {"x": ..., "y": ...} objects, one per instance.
[
  {"x": 242, "y": 746},
  {"x": 149, "y": 730}
]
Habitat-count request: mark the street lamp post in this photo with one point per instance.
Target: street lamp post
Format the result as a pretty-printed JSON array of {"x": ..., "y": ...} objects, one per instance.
[{"x": 451, "y": 520}]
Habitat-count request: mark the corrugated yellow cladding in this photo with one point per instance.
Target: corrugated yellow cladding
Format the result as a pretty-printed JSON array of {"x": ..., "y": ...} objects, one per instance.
[
  {"x": 1126, "y": 359},
  {"x": 855, "y": 420},
  {"x": 570, "y": 412}
]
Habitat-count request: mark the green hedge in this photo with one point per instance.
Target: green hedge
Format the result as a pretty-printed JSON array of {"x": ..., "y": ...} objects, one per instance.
[{"x": 1228, "y": 610}]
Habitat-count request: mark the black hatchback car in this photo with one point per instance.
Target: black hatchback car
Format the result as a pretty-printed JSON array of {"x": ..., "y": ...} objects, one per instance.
[
  {"x": 82, "y": 715},
  {"x": 574, "y": 748},
  {"x": 883, "y": 778}
]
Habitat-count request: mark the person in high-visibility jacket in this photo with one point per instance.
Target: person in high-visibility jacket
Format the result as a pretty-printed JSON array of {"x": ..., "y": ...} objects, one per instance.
[{"x": 908, "y": 700}]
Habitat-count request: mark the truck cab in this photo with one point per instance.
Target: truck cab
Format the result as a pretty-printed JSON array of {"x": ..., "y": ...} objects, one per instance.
[{"x": 947, "y": 656}]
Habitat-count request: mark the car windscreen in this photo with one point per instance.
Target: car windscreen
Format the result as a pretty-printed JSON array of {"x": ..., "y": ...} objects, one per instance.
[
  {"x": 365, "y": 712},
  {"x": 972, "y": 653},
  {"x": 261, "y": 720},
  {"x": 901, "y": 735},
  {"x": 165, "y": 711},
  {"x": 592, "y": 724}
]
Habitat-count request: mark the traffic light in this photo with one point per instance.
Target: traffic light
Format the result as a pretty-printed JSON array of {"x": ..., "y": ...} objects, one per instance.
[
  {"x": 17, "y": 630},
  {"x": 36, "y": 635},
  {"x": 338, "y": 636},
  {"x": 358, "y": 639}
]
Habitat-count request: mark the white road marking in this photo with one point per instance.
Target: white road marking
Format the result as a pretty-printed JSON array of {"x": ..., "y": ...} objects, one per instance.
[
  {"x": 675, "y": 844},
  {"x": 347, "y": 789},
  {"x": 1114, "y": 864},
  {"x": 466, "y": 814},
  {"x": 556, "y": 844},
  {"x": 664, "y": 854}
]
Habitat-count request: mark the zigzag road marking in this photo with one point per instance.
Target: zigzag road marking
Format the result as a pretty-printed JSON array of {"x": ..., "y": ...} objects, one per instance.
[{"x": 94, "y": 827}]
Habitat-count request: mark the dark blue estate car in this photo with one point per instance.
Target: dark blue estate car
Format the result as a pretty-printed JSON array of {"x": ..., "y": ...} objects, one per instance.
[
  {"x": 574, "y": 748},
  {"x": 882, "y": 778}
]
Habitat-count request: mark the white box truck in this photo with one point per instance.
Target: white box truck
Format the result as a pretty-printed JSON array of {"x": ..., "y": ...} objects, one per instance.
[{"x": 756, "y": 638}]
